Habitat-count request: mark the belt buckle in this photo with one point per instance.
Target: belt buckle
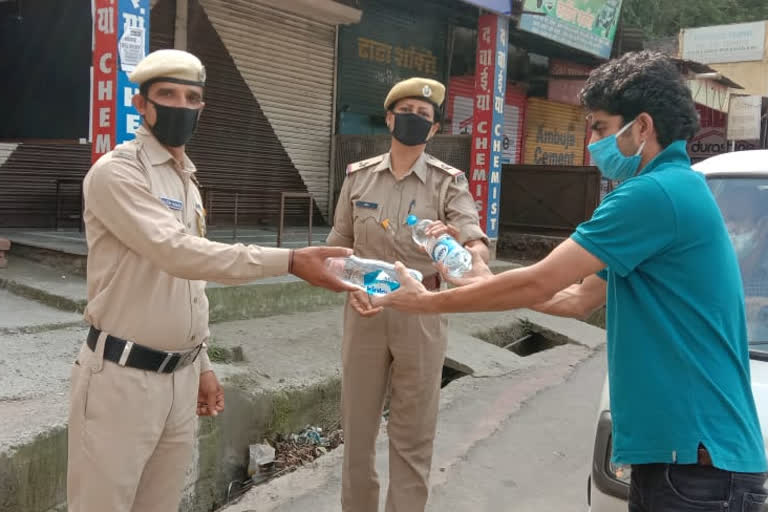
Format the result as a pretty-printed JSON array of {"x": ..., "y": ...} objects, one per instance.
[
  {"x": 184, "y": 359},
  {"x": 190, "y": 356}
]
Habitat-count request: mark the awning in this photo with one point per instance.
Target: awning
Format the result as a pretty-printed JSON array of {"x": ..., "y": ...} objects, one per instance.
[{"x": 498, "y": 6}]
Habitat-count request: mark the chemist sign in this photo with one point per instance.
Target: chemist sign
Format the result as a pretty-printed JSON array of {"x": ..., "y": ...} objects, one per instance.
[
  {"x": 488, "y": 120},
  {"x": 120, "y": 41}
]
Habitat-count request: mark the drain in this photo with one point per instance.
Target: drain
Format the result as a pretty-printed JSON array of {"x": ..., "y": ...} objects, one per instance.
[
  {"x": 450, "y": 375},
  {"x": 520, "y": 338},
  {"x": 531, "y": 344}
]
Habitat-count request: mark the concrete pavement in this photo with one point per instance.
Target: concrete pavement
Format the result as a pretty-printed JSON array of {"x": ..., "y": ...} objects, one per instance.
[
  {"x": 289, "y": 378},
  {"x": 539, "y": 459},
  {"x": 519, "y": 442}
]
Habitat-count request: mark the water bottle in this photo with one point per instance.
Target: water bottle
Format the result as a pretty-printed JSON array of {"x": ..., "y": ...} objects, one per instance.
[
  {"x": 443, "y": 249},
  {"x": 373, "y": 276}
]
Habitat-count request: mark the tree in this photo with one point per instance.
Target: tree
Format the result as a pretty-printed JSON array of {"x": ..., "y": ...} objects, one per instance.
[{"x": 666, "y": 17}]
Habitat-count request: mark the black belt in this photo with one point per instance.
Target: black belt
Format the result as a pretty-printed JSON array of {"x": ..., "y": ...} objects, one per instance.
[{"x": 133, "y": 355}]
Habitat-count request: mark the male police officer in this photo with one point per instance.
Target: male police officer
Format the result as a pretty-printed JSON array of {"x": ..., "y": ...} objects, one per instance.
[{"x": 144, "y": 371}]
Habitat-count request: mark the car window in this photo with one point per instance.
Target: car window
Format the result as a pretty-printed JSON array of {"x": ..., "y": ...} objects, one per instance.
[{"x": 744, "y": 204}]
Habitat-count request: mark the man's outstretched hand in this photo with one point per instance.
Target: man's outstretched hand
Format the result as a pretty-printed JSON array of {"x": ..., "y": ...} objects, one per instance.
[
  {"x": 309, "y": 265},
  {"x": 411, "y": 297}
]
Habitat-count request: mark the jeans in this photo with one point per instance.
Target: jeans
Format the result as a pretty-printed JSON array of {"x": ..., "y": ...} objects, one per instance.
[{"x": 695, "y": 488}]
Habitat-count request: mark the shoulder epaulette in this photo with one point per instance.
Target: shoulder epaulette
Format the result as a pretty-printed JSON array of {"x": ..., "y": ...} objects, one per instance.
[
  {"x": 451, "y": 171},
  {"x": 364, "y": 164},
  {"x": 127, "y": 150}
]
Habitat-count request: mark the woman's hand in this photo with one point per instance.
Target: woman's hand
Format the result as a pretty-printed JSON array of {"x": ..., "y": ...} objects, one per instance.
[
  {"x": 438, "y": 228},
  {"x": 361, "y": 302}
]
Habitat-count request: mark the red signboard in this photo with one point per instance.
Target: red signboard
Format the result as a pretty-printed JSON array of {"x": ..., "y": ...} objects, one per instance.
[
  {"x": 104, "y": 82},
  {"x": 483, "y": 113}
]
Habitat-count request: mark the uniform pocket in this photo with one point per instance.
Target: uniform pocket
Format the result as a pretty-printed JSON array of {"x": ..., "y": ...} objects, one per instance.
[
  {"x": 365, "y": 220},
  {"x": 755, "y": 503},
  {"x": 80, "y": 382}
]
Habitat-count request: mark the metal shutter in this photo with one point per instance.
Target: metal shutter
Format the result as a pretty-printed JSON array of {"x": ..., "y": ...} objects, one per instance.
[{"x": 288, "y": 63}]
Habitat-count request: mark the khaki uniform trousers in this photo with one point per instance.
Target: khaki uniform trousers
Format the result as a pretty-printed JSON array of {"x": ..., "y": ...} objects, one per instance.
[
  {"x": 131, "y": 435},
  {"x": 407, "y": 351}
]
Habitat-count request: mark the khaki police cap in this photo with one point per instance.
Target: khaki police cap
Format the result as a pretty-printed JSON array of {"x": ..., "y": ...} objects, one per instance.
[
  {"x": 169, "y": 65},
  {"x": 421, "y": 88}
]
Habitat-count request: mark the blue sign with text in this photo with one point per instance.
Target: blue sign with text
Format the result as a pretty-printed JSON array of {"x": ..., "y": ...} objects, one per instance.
[
  {"x": 132, "y": 46},
  {"x": 497, "y": 136}
]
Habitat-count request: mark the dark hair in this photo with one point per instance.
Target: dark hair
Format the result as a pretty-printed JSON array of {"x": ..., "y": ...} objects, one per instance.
[
  {"x": 438, "y": 113},
  {"x": 647, "y": 82}
]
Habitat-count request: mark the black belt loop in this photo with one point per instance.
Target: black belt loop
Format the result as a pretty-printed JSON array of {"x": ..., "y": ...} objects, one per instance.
[{"x": 132, "y": 355}]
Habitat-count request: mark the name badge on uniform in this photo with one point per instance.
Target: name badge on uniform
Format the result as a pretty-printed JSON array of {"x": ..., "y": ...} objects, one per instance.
[
  {"x": 366, "y": 204},
  {"x": 173, "y": 204}
]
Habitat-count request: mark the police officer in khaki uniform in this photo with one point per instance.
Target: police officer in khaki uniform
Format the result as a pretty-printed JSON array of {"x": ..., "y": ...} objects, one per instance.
[
  {"x": 387, "y": 348},
  {"x": 143, "y": 372}
]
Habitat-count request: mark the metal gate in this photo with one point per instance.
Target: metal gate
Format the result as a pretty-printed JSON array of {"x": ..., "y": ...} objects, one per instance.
[{"x": 547, "y": 200}]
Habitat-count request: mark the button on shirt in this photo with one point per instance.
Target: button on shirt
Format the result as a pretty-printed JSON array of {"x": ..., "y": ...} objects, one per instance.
[
  {"x": 678, "y": 360},
  {"x": 148, "y": 262}
]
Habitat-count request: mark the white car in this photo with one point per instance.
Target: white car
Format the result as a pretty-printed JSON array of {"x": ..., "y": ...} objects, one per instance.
[{"x": 737, "y": 180}]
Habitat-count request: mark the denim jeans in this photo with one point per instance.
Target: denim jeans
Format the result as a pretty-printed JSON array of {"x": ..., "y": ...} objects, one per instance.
[{"x": 695, "y": 488}]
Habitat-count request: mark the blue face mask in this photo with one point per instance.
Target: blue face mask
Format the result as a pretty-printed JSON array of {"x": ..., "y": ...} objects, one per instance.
[{"x": 611, "y": 161}]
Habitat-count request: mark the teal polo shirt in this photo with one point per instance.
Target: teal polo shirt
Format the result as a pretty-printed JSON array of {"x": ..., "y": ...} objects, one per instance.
[{"x": 678, "y": 360}]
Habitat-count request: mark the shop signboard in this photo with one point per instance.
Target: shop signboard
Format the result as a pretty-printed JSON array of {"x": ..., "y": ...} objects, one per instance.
[
  {"x": 585, "y": 25},
  {"x": 554, "y": 134},
  {"x": 488, "y": 120},
  {"x": 120, "y": 41},
  {"x": 741, "y": 42},
  {"x": 744, "y": 117}
]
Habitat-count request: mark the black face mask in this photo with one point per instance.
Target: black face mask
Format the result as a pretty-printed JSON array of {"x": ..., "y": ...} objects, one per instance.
[
  {"x": 411, "y": 129},
  {"x": 174, "y": 125}
]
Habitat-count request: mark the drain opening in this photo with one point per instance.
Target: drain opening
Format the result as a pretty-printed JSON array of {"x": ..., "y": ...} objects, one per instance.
[
  {"x": 519, "y": 338},
  {"x": 531, "y": 344},
  {"x": 450, "y": 375}
]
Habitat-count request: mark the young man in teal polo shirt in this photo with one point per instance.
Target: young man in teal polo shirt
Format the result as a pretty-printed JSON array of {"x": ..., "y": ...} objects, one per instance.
[{"x": 657, "y": 253}]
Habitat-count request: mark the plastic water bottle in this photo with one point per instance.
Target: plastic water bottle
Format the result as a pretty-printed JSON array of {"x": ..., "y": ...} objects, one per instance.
[
  {"x": 443, "y": 249},
  {"x": 373, "y": 276}
]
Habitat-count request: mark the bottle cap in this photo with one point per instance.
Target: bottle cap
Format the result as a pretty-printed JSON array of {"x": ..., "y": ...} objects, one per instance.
[{"x": 411, "y": 220}]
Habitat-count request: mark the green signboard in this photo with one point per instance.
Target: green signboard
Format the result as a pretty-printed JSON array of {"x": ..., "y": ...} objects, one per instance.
[{"x": 586, "y": 25}]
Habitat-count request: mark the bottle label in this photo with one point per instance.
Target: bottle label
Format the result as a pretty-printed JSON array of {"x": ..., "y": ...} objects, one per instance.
[
  {"x": 379, "y": 282},
  {"x": 444, "y": 246}
]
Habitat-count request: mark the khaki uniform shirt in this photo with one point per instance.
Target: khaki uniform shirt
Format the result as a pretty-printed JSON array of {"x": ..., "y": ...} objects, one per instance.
[
  {"x": 147, "y": 259},
  {"x": 430, "y": 190}
]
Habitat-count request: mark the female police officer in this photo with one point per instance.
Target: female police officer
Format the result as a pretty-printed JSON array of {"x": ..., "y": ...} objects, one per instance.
[{"x": 387, "y": 347}]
